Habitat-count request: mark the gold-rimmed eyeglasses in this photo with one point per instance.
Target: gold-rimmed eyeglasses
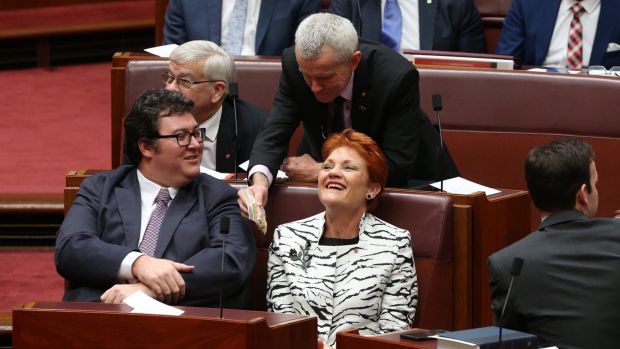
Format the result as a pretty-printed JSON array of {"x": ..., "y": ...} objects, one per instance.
[{"x": 168, "y": 78}]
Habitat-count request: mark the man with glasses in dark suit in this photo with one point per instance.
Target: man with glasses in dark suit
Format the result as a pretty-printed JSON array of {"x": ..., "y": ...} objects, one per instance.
[{"x": 156, "y": 226}]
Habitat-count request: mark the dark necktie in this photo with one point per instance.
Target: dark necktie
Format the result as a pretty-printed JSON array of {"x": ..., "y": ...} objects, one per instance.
[
  {"x": 337, "y": 124},
  {"x": 151, "y": 234}
]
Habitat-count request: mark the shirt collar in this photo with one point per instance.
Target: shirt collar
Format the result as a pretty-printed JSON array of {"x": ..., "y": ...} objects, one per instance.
[
  {"x": 150, "y": 189},
  {"x": 212, "y": 125},
  {"x": 588, "y": 5}
]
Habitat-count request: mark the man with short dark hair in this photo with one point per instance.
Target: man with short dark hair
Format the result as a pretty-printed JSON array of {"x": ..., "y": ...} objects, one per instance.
[
  {"x": 155, "y": 227},
  {"x": 566, "y": 293}
]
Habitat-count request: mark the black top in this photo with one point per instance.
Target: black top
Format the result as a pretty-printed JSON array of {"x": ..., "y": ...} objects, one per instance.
[{"x": 325, "y": 241}]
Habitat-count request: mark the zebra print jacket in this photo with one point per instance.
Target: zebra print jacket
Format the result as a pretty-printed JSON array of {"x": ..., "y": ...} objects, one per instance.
[{"x": 371, "y": 286}]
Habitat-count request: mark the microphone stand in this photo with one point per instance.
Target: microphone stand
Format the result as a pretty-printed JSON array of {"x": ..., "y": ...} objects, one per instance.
[
  {"x": 437, "y": 107},
  {"x": 517, "y": 264},
  {"x": 224, "y": 229},
  {"x": 233, "y": 92}
]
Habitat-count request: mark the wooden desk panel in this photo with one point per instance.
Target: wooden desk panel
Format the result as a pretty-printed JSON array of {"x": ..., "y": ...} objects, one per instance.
[{"x": 77, "y": 324}]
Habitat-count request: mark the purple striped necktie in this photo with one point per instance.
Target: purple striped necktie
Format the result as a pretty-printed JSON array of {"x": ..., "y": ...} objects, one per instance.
[{"x": 151, "y": 234}]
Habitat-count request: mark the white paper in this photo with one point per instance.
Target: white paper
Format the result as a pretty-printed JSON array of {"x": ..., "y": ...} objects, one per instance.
[
  {"x": 143, "y": 304},
  {"x": 280, "y": 175},
  {"x": 212, "y": 173},
  {"x": 162, "y": 51},
  {"x": 460, "y": 185}
]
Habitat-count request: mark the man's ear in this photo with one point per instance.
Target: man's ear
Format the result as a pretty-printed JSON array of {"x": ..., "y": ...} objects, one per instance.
[
  {"x": 219, "y": 90},
  {"x": 355, "y": 59},
  {"x": 581, "y": 200},
  {"x": 147, "y": 148}
]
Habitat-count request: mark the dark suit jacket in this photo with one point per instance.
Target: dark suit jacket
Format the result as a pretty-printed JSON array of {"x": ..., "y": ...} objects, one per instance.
[
  {"x": 103, "y": 226},
  {"x": 188, "y": 20},
  {"x": 445, "y": 25},
  {"x": 385, "y": 106},
  {"x": 250, "y": 120},
  {"x": 528, "y": 29},
  {"x": 567, "y": 292}
]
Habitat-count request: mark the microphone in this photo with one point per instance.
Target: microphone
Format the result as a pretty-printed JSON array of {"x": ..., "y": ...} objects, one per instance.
[
  {"x": 224, "y": 229},
  {"x": 437, "y": 107},
  {"x": 233, "y": 92},
  {"x": 517, "y": 264}
]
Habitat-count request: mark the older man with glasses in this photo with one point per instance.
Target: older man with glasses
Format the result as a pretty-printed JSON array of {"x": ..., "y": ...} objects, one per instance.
[
  {"x": 201, "y": 71},
  {"x": 156, "y": 227}
]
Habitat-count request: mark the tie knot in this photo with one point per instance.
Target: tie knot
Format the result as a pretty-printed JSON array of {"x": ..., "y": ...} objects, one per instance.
[
  {"x": 577, "y": 9},
  {"x": 163, "y": 196}
]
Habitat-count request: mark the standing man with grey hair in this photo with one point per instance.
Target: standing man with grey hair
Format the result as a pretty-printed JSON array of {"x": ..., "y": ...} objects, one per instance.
[
  {"x": 201, "y": 71},
  {"x": 329, "y": 82}
]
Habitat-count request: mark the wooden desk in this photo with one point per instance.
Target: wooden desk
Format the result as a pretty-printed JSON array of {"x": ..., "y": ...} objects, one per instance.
[
  {"x": 77, "y": 324},
  {"x": 352, "y": 340}
]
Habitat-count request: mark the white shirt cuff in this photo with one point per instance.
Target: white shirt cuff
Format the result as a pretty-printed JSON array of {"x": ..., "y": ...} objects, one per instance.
[
  {"x": 124, "y": 272},
  {"x": 262, "y": 169}
]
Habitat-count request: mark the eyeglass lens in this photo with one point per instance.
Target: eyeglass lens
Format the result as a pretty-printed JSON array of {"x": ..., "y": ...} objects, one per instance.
[{"x": 184, "y": 138}]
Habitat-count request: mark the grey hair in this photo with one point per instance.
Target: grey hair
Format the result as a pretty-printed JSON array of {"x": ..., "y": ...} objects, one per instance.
[
  {"x": 322, "y": 30},
  {"x": 217, "y": 64}
]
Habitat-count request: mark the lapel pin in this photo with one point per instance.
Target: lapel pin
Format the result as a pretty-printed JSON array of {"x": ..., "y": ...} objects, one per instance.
[
  {"x": 429, "y": 1},
  {"x": 227, "y": 156}
]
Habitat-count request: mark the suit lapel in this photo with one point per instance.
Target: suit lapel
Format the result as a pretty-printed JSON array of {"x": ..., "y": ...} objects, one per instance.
[
  {"x": 546, "y": 25},
  {"x": 608, "y": 18},
  {"x": 128, "y": 201},
  {"x": 225, "y": 139},
  {"x": 264, "y": 18},
  {"x": 428, "y": 14},
  {"x": 214, "y": 17},
  {"x": 359, "y": 105},
  {"x": 182, "y": 203}
]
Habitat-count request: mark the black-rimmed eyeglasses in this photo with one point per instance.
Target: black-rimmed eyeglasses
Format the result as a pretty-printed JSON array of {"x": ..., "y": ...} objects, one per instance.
[
  {"x": 185, "y": 138},
  {"x": 168, "y": 78}
]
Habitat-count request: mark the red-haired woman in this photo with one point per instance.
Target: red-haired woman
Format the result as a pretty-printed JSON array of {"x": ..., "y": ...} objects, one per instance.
[{"x": 345, "y": 266}]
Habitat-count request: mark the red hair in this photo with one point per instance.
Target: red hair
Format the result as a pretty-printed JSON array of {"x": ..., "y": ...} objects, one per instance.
[{"x": 367, "y": 148}]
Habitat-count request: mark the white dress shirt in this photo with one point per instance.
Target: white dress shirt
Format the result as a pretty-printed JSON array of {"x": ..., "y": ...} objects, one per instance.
[
  {"x": 148, "y": 194},
  {"x": 209, "y": 146},
  {"x": 251, "y": 23},
  {"x": 557, "y": 56}
]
